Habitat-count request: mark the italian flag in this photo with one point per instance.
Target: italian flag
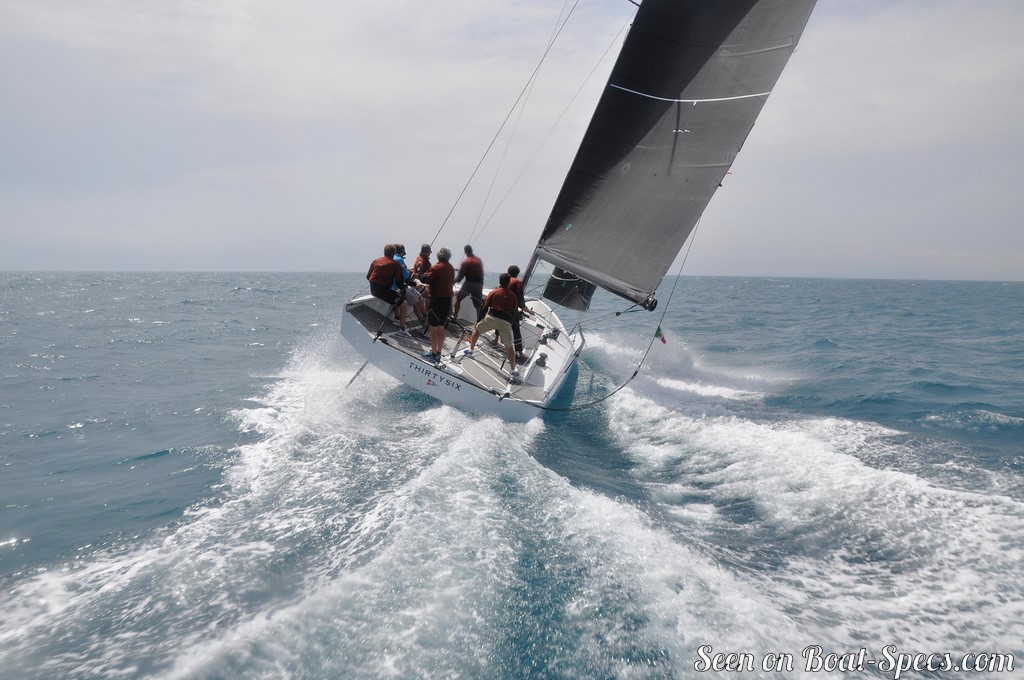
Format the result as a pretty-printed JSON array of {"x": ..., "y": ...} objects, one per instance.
[{"x": 659, "y": 334}]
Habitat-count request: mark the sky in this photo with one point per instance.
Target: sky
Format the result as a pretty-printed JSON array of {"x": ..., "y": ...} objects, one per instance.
[{"x": 261, "y": 135}]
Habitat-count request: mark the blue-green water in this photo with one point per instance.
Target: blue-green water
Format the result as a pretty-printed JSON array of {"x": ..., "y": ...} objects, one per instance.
[{"x": 189, "y": 490}]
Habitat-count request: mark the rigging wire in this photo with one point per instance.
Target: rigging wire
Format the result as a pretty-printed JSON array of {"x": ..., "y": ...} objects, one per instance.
[
  {"x": 522, "y": 111},
  {"x": 503, "y": 123},
  {"x": 501, "y": 161},
  {"x": 580, "y": 407},
  {"x": 559, "y": 22},
  {"x": 551, "y": 131}
]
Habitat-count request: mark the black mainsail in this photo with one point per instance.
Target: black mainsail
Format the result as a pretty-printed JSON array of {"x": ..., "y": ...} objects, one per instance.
[{"x": 682, "y": 98}]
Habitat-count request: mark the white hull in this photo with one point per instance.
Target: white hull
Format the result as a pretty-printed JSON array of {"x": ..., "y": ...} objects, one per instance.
[{"x": 479, "y": 384}]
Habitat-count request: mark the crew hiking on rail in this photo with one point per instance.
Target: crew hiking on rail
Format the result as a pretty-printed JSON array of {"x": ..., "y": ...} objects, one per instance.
[{"x": 430, "y": 290}]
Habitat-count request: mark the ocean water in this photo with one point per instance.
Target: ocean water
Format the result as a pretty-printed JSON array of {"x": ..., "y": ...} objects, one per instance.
[{"x": 188, "y": 488}]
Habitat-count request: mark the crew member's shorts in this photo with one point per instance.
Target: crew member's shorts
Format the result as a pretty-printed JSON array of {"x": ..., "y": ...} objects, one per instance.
[
  {"x": 385, "y": 293},
  {"x": 412, "y": 296},
  {"x": 437, "y": 315},
  {"x": 493, "y": 323},
  {"x": 474, "y": 288}
]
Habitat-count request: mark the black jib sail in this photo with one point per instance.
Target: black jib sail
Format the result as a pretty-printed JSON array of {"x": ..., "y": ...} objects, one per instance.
[{"x": 689, "y": 83}]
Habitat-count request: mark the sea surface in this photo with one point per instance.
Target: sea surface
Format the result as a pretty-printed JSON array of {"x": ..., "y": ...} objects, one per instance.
[{"x": 189, "y": 488}]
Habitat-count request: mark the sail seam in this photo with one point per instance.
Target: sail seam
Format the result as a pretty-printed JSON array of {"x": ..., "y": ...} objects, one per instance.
[{"x": 689, "y": 101}]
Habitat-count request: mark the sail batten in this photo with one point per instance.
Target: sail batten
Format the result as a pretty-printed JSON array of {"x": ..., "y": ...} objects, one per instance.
[
  {"x": 690, "y": 101},
  {"x": 689, "y": 83}
]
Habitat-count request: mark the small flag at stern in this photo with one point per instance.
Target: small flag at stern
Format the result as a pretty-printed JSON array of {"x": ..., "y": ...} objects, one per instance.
[{"x": 659, "y": 334}]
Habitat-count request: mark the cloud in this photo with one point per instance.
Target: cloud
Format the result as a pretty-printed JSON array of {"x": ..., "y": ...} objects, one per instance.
[
  {"x": 903, "y": 75},
  {"x": 266, "y": 135}
]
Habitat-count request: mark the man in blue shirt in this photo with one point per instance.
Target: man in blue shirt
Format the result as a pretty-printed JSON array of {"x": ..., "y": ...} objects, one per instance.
[{"x": 412, "y": 295}]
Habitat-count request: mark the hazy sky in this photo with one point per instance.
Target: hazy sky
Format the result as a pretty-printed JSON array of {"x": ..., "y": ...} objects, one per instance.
[{"x": 303, "y": 135}]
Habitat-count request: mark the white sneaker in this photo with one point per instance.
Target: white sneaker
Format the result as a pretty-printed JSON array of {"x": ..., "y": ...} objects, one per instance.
[
  {"x": 403, "y": 332},
  {"x": 514, "y": 373},
  {"x": 467, "y": 352}
]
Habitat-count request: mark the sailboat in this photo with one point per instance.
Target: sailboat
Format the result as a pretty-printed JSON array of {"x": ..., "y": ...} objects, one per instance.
[{"x": 689, "y": 82}]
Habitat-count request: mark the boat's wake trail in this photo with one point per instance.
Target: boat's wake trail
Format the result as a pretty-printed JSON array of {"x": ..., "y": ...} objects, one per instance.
[
  {"x": 839, "y": 522},
  {"x": 369, "y": 532}
]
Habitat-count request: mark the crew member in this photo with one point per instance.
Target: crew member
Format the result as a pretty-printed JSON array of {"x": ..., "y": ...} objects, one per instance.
[
  {"x": 440, "y": 279},
  {"x": 387, "y": 282},
  {"x": 422, "y": 264},
  {"x": 500, "y": 306},
  {"x": 519, "y": 289},
  {"x": 471, "y": 274},
  {"x": 412, "y": 286}
]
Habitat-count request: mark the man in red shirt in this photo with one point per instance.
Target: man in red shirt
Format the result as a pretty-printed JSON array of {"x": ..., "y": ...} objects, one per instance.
[
  {"x": 422, "y": 264},
  {"x": 384, "y": 272},
  {"x": 517, "y": 287},
  {"x": 501, "y": 305},
  {"x": 471, "y": 274},
  {"x": 440, "y": 279}
]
